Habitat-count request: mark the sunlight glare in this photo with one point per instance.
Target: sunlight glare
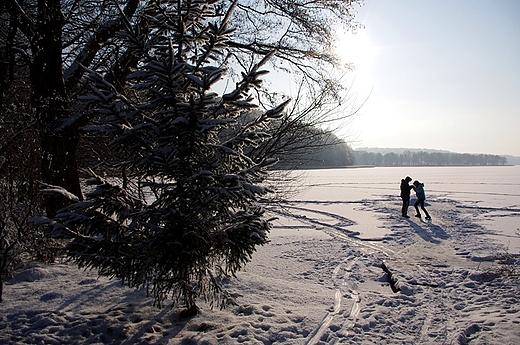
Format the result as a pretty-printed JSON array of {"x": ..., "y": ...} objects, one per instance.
[
  {"x": 355, "y": 48},
  {"x": 357, "y": 53}
]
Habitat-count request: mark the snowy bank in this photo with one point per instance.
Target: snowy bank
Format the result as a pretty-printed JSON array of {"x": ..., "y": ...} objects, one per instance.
[{"x": 325, "y": 278}]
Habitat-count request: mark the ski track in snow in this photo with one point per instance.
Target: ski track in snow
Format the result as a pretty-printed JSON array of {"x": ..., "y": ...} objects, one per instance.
[{"x": 340, "y": 284}]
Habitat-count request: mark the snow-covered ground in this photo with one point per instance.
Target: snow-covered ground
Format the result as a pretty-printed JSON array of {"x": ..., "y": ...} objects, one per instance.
[{"x": 337, "y": 254}]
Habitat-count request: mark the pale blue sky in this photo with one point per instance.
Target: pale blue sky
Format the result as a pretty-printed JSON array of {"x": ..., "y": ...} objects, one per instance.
[{"x": 442, "y": 75}]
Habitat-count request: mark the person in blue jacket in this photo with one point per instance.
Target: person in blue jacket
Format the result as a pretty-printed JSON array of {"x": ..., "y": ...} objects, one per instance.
[
  {"x": 405, "y": 195},
  {"x": 418, "y": 187}
]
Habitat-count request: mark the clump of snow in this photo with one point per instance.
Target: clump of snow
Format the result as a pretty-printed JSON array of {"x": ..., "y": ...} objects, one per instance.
[
  {"x": 321, "y": 279},
  {"x": 57, "y": 191}
]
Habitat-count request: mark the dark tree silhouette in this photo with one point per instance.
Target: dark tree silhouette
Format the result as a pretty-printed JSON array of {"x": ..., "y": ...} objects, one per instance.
[{"x": 191, "y": 215}]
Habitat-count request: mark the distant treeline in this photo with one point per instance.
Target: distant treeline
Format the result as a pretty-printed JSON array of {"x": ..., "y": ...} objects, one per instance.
[
  {"x": 421, "y": 158},
  {"x": 329, "y": 152},
  {"x": 332, "y": 152}
]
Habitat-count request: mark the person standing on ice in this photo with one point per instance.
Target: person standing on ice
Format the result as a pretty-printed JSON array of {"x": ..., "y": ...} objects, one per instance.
[
  {"x": 405, "y": 195},
  {"x": 418, "y": 187}
]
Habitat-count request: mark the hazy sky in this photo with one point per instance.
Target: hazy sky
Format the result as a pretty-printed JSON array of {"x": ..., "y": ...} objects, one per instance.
[{"x": 440, "y": 75}]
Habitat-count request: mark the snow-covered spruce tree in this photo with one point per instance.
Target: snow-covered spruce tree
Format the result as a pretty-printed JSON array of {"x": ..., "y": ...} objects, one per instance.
[{"x": 190, "y": 214}]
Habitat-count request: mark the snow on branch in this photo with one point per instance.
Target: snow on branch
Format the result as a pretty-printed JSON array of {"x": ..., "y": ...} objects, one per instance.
[
  {"x": 277, "y": 112},
  {"x": 57, "y": 191}
]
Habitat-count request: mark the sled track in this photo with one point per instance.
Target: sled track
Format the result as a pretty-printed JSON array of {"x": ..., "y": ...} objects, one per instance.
[
  {"x": 339, "y": 283},
  {"x": 336, "y": 230}
]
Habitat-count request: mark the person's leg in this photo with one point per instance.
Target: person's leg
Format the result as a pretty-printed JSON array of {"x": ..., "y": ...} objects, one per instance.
[
  {"x": 417, "y": 212},
  {"x": 406, "y": 203},
  {"x": 424, "y": 209}
]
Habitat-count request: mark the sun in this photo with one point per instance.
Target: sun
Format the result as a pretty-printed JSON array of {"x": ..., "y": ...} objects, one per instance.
[
  {"x": 356, "y": 52},
  {"x": 355, "y": 48}
]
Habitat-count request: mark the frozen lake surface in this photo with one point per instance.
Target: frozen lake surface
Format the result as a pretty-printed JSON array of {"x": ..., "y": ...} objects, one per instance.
[{"x": 489, "y": 194}]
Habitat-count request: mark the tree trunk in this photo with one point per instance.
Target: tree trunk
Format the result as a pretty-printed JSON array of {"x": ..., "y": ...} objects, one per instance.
[
  {"x": 59, "y": 166},
  {"x": 58, "y": 141}
]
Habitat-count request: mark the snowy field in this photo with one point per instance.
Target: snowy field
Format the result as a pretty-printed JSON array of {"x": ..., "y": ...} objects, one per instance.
[{"x": 343, "y": 267}]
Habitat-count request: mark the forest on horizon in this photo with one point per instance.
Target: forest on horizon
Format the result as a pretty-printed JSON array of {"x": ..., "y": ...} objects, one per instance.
[{"x": 341, "y": 154}]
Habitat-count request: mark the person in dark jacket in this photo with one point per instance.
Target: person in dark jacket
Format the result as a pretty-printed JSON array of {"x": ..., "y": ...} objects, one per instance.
[
  {"x": 405, "y": 195},
  {"x": 418, "y": 187}
]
